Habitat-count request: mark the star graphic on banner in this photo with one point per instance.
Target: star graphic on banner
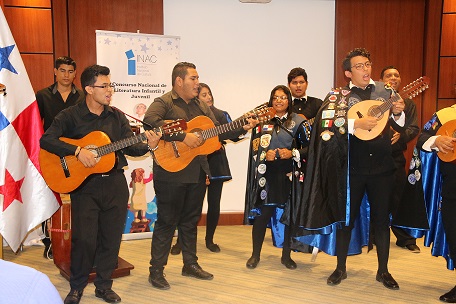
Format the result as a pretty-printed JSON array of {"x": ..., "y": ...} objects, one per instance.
[
  {"x": 169, "y": 42},
  {"x": 144, "y": 48},
  {"x": 4, "y": 62},
  {"x": 11, "y": 190},
  {"x": 107, "y": 41}
]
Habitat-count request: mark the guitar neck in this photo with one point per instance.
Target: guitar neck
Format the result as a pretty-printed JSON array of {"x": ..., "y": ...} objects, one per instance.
[
  {"x": 123, "y": 143},
  {"x": 389, "y": 103},
  {"x": 236, "y": 124}
]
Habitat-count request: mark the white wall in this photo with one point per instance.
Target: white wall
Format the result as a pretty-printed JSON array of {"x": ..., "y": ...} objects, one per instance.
[{"x": 242, "y": 51}]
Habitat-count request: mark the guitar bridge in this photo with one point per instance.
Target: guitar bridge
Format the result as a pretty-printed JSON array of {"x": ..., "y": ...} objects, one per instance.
[
  {"x": 64, "y": 165},
  {"x": 175, "y": 150}
]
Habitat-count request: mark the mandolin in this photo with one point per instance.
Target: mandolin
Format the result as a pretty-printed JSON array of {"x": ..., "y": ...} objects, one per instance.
[{"x": 377, "y": 108}]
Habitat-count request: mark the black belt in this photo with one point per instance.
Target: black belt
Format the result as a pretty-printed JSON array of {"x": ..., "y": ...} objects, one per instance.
[{"x": 109, "y": 173}]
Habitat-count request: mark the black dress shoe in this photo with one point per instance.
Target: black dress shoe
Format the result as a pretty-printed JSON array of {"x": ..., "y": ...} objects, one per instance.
[
  {"x": 213, "y": 247},
  {"x": 252, "y": 262},
  {"x": 108, "y": 295},
  {"x": 73, "y": 297},
  {"x": 176, "y": 249},
  {"x": 336, "y": 277},
  {"x": 449, "y": 297},
  {"x": 157, "y": 279},
  {"x": 387, "y": 279},
  {"x": 195, "y": 270},
  {"x": 413, "y": 248},
  {"x": 48, "y": 252},
  {"x": 289, "y": 263}
]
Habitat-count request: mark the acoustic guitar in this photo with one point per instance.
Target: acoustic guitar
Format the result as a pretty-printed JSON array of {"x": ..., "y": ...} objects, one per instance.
[
  {"x": 447, "y": 129},
  {"x": 65, "y": 174},
  {"x": 175, "y": 155},
  {"x": 377, "y": 108}
]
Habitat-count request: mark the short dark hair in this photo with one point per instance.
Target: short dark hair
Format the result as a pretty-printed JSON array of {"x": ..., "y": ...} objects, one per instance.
[
  {"x": 203, "y": 85},
  {"x": 295, "y": 73},
  {"x": 64, "y": 60},
  {"x": 180, "y": 70},
  {"x": 387, "y": 68},
  {"x": 346, "y": 65},
  {"x": 90, "y": 74}
]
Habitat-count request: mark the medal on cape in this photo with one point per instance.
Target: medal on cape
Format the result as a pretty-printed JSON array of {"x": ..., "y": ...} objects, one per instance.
[
  {"x": 332, "y": 98},
  {"x": 262, "y": 181},
  {"x": 262, "y": 155},
  {"x": 327, "y": 114},
  {"x": 412, "y": 164},
  {"x": 265, "y": 140},
  {"x": 255, "y": 144},
  {"x": 263, "y": 194},
  {"x": 331, "y": 106},
  {"x": 339, "y": 122},
  {"x": 343, "y": 103},
  {"x": 342, "y": 130},
  {"x": 262, "y": 168},
  {"x": 345, "y": 92},
  {"x": 417, "y": 175},
  {"x": 326, "y": 135},
  {"x": 411, "y": 179},
  {"x": 341, "y": 113}
]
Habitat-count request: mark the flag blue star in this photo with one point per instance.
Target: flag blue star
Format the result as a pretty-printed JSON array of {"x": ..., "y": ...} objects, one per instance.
[{"x": 4, "y": 62}]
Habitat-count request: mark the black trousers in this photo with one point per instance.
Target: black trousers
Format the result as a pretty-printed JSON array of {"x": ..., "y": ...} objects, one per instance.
[
  {"x": 449, "y": 224},
  {"x": 378, "y": 188},
  {"x": 259, "y": 230},
  {"x": 98, "y": 213},
  {"x": 214, "y": 194},
  {"x": 178, "y": 205}
]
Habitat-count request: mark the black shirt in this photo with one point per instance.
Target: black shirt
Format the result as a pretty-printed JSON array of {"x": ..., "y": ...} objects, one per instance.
[
  {"x": 50, "y": 102},
  {"x": 308, "y": 107}
]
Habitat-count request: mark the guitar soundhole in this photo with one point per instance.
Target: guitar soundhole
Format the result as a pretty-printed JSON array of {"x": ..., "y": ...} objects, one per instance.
[
  {"x": 197, "y": 132},
  {"x": 375, "y": 112},
  {"x": 92, "y": 148}
]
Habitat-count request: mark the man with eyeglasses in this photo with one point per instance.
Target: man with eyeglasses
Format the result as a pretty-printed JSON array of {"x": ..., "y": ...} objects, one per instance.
[
  {"x": 307, "y": 106},
  {"x": 53, "y": 99},
  {"x": 341, "y": 168},
  {"x": 99, "y": 205},
  {"x": 401, "y": 136}
]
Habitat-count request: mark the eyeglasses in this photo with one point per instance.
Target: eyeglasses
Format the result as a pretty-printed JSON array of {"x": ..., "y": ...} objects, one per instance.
[
  {"x": 276, "y": 98},
  {"x": 105, "y": 86},
  {"x": 360, "y": 66}
]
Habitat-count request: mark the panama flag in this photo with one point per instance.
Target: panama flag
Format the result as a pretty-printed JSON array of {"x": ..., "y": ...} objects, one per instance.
[{"x": 25, "y": 199}]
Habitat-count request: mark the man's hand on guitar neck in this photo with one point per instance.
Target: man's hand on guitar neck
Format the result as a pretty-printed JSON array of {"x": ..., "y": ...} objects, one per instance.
[
  {"x": 153, "y": 139},
  {"x": 445, "y": 144},
  {"x": 251, "y": 123}
]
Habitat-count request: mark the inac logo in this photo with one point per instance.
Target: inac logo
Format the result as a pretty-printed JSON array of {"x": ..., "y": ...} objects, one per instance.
[{"x": 131, "y": 62}]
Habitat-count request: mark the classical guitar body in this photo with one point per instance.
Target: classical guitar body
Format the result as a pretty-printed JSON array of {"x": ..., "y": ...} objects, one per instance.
[
  {"x": 447, "y": 129},
  {"x": 175, "y": 156},
  {"x": 63, "y": 182},
  {"x": 368, "y": 108}
]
